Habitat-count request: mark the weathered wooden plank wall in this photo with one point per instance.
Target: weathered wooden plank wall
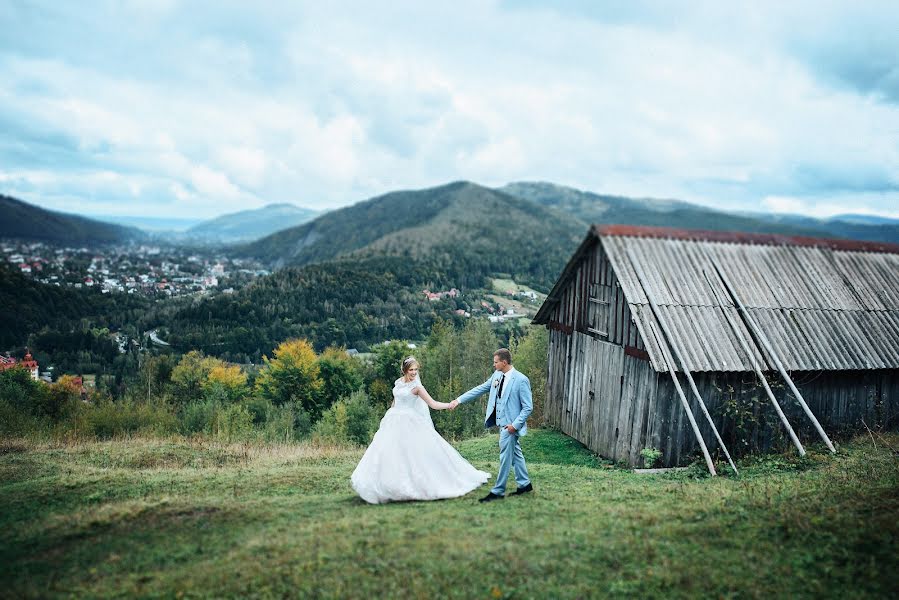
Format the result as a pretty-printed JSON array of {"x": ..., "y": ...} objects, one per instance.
[{"x": 841, "y": 400}]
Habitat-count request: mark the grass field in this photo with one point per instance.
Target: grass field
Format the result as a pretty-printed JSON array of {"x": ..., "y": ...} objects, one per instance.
[{"x": 156, "y": 518}]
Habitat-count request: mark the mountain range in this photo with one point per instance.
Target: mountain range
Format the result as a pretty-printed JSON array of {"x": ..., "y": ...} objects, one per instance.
[
  {"x": 355, "y": 275},
  {"x": 288, "y": 234},
  {"x": 461, "y": 227},
  {"x": 22, "y": 220},
  {"x": 251, "y": 224}
]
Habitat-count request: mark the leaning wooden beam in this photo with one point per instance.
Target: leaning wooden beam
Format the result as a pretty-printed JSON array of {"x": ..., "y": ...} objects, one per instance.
[
  {"x": 764, "y": 340},
  {"x": 755, "y": 366},
  {"x": 683, "y": 398},
  {"x": 641, "y": 277}
]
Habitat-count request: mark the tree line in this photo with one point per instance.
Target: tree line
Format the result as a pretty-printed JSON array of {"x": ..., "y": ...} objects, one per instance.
[{"x": 295, "y": 394}]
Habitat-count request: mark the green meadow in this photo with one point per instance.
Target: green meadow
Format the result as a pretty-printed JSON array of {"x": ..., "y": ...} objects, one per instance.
[{"x": 192, "y": 519}]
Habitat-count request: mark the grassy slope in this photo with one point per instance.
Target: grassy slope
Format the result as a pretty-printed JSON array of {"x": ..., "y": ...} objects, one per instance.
[{"x": 162, "y": 518}]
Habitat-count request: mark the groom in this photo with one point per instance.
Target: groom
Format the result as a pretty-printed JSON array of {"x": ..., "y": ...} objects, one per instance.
[{"x": 509, "y": 406}]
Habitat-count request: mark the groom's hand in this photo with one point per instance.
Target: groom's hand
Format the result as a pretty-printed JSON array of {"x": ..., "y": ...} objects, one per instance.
[
  {"x": 453, "y": 404},
  {"x": 510, "y": 429}
]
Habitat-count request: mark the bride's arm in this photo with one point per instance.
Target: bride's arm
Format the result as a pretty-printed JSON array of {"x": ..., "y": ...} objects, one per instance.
[{"x": 422, "y": 393}]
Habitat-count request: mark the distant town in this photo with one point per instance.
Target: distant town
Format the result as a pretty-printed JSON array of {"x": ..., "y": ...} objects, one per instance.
[{"x": 151, "y": 270}]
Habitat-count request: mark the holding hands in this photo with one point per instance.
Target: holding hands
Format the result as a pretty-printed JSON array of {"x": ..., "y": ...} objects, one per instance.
[{"x": 453, "y": 404}]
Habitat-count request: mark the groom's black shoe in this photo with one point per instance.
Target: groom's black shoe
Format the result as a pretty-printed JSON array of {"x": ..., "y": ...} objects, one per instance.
[
  {"x": 523, "y": 490},
  {"x": 491, "y": 497}
]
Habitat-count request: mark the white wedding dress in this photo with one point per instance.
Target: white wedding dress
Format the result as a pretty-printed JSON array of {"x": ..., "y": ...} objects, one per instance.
[{"x": 409, "y": 460}]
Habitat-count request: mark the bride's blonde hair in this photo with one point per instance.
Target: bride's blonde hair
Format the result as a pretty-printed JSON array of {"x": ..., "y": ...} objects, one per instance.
[{"x": 408, "y": 362}]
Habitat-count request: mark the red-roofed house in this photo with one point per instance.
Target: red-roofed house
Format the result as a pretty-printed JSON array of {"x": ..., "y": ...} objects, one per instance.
[{"x": 28, "y": 363}]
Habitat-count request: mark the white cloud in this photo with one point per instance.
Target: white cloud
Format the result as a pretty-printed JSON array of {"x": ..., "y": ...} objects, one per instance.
[{"x": 230, "y": 107}]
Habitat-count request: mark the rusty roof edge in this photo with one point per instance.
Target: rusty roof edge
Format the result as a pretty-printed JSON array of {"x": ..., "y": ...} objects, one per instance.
[{"x": 739, "y": 237}]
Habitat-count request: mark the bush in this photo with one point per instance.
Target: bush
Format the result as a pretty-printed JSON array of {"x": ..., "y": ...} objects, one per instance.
[
  {"x": 531, "y": 355},
  {"x": 288, "y": 423},
  {"x": 234, "y": 423},
  {"x": 197, "y": 417},
  {"x": 107, "y": 419},
  {"x": 349, "y": 420},
  {"x": 340, "y": 374},
  {"x": 15, "y": 422}
]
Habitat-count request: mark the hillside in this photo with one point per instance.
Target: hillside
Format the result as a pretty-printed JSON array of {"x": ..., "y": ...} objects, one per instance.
[
  {"x": 352, "y": 303},
  {"x": 598, "y": 208},
  {"x": 856, "y": 227},
  {"x": 21, "y": 220},
  {"x": 252, "y": 224},
  {"x": 172, "y": 518},
  {"x": 468, "y": 230},
  {"x": 57, "y": 321}
]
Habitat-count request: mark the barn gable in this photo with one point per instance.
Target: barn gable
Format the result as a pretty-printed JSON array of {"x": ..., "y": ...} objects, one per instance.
[{"x": 824, "y": 304}]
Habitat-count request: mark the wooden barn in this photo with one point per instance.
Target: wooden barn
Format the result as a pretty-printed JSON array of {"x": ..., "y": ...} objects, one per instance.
[{"x": 696, "y": 342}]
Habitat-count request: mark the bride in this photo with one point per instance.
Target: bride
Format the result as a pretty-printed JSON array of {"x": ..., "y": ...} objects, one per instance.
[{"x": 407, "y": 459}]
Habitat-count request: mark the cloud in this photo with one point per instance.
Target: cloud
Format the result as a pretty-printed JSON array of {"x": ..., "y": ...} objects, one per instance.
[{"x": 225, "y": 107}]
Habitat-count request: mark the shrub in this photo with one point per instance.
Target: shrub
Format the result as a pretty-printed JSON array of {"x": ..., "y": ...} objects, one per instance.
[
  {"x": 107, "y": 419},
  {"x": 286, "y": 423},
  {"x": 234, "y": 423},
  {"x": 530, "y": 354},
  {"x": 349, "y": 420},
  {"x": 197, "y": 417},
  {"x": 190, "y": 374},
  {"x": 340, "y": 375},
  {"x": 15, "y": 422},
  {"x": 225, "y": 383}
]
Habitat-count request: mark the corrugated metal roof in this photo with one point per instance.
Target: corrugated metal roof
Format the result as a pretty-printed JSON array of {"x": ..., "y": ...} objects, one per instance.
[{"x": 826, "y": 306}]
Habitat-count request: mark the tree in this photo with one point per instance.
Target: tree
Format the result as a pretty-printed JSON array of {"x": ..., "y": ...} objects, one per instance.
[
  {"x": 293, "y": 375},
  {"x": 226, "y": 383},
  {"x": 387, "y": 366},
  {"x": 340, "y": 374},
  {"x": 453, "y": 361},
  {"x": 190, "y": 374},
  {"x": 531, "y": 356}
]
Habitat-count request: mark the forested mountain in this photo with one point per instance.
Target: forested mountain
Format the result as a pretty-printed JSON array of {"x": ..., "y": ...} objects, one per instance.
[
  {"x": 353, "y": 303},
  {"x": 21, "y": 220},
  {"x": 252, "y": 224},
  {"x": 355, "y": 276},
  {"x": 856, "y": 227},
  {"x": 64, "y": 323},
  {"x": 597, "y": 208},
  {"x": 461, "y": 229}
]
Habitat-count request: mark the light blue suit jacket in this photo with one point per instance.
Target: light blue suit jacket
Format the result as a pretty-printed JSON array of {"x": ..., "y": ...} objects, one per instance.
[{"x": 513, "y": 408}]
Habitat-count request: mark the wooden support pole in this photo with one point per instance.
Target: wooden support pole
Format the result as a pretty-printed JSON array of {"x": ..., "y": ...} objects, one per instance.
[
  {"x": 683, "y": 399},
  {"x": 764, "y": 340},
  {"x": 684, "y": 367},
  {"x": 756, "y": 367}
]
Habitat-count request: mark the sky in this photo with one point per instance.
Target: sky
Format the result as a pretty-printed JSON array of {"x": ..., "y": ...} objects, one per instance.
[{"x": 172, "y": 108}]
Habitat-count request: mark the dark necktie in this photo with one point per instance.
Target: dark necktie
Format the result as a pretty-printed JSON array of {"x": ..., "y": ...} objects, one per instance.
[{"x": 499, "y": 392}]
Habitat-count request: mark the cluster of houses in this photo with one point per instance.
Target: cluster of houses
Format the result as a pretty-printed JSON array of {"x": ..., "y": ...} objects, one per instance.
[
  {"x": 80, "y": 383},
  {"x": 433, "y": 296},
  {"x": 127, "y": 269},
  {"x": 28, "y": 363},
  {"x": 529, "y": 294}
]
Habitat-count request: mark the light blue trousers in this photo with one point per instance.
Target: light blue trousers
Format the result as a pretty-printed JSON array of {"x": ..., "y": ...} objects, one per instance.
[{"x": 510, "y": 456}]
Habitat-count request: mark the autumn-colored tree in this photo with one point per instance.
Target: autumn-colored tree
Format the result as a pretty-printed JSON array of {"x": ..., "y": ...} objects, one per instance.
[
  {"x": 190, "y": 374},
  {"x": 293, "y": 375},
  {"x": 226, "y": 383}
]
